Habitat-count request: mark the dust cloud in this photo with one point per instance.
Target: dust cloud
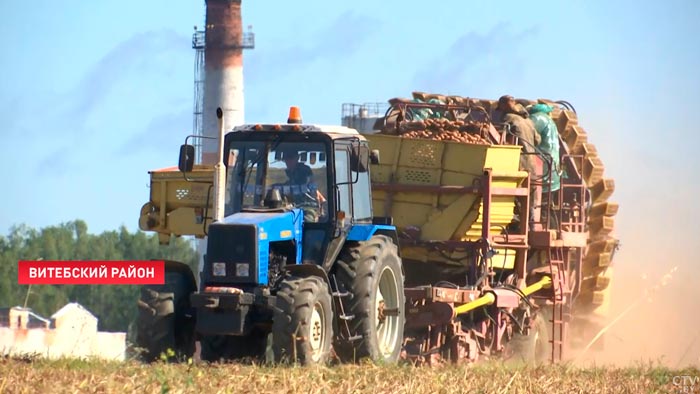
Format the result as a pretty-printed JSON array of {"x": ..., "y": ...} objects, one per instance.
[
  {"x": 660, "y": 324},
  {"x": 656, "y": 286}
]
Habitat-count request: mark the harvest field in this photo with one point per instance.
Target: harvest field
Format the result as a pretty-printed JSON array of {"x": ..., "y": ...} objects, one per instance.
[{"x": 63, "y": 376}]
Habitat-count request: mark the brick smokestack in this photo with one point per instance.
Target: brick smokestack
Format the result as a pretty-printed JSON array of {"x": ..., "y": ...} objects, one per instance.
[{"x": 223, "y": 77}]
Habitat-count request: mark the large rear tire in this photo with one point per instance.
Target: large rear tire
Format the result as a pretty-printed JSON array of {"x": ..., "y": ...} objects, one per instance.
[
  {"x": 165, "y": 324},
  {"x": 302, "y": 328},
  {"x": 371, "y": 272}
]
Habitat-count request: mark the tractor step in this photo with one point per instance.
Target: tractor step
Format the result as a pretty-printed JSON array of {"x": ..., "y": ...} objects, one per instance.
[{"x": 338, "y": 298}]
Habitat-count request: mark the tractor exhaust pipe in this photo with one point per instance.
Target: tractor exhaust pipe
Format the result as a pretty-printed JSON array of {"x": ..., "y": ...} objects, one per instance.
[{"x": 219, "y": 172}]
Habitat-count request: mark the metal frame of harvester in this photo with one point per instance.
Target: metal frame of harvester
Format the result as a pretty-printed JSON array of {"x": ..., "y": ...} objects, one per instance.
[{"x": 436, "y": 313}]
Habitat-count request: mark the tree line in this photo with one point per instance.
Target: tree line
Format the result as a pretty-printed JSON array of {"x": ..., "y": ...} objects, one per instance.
[{"x": 113, "y": 305}]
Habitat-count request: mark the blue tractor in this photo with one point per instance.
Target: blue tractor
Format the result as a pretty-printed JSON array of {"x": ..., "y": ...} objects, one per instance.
[{"x": 295, "y": 264}]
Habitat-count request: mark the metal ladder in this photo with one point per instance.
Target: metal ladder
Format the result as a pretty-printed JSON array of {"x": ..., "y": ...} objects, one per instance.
[
  {"x": 560, "y": 311},
  {"x": 571, "y": 216},
  {"x": 345, "y": 318}
]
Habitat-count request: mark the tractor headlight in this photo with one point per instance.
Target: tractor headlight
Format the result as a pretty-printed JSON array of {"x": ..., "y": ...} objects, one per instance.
[
  {"x": 219, "y": 269},
  {"x": 242, "y": 269}
]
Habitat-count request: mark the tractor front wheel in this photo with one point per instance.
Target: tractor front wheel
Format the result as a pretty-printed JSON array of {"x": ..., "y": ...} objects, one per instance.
[{"x": 302, "y": 328}]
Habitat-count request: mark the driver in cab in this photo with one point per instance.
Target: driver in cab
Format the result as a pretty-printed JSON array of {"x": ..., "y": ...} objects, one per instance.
[{"x": 299, "y": 175}]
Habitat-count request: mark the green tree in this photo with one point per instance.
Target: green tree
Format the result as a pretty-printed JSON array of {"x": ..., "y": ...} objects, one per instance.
[{"x": 114, "y": 306}]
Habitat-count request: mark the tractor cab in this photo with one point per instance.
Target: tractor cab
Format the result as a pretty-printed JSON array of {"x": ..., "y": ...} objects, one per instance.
[{"x": 322, "y": 171}]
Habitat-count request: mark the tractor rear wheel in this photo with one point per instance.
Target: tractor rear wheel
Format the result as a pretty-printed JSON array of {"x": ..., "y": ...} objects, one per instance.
[
  {"x": 165, "y": 325},
  {"x": 370, "y": 272},
  {"x": 302, "y": 327}
]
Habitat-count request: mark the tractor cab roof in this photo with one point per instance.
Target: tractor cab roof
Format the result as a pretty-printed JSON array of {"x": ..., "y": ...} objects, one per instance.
[{"x": 331, "y": 131}]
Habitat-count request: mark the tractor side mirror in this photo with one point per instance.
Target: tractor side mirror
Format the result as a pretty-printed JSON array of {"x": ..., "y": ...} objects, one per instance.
[
  {"x": 186, "y": 162},
  {"x": 359, "y": 158},
  {"x": 374, "y": 156}
]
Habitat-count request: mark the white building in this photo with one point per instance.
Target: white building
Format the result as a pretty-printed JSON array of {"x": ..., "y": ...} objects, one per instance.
[{"x": 71, "y": 332}]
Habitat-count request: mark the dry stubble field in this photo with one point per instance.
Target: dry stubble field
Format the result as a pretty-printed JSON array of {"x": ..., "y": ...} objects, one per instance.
[{"x": 66, "y": 376}]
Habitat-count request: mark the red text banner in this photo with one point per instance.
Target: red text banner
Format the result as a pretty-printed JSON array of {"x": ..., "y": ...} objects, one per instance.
[{"x": 91, "y": 272}]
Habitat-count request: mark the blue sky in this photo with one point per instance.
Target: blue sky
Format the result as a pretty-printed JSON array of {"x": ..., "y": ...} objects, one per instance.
[{"x": 94, "y": 94}]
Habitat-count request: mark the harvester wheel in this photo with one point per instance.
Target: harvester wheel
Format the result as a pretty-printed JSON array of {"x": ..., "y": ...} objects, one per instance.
[
  {"x": 534, "y": 348},
  {"x": 302, "y": 327},
  {"x": 371, "y": 272},
  {"x": 165, "y": 325},
  {"x": 223, "y": 348}
]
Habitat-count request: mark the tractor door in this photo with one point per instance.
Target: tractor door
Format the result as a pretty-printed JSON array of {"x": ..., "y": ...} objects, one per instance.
[
  {"x": 360, "y": 184},
  {"x": 353, "y": 200},
  {"x": 352, "y": 180}
]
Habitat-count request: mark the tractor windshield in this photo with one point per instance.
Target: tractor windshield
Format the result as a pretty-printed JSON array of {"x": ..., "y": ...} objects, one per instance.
[{"x": 296, "y": 169}]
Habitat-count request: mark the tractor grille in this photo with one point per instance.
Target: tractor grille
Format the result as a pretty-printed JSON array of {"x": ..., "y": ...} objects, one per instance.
[{"x": 231, "y": 245}]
